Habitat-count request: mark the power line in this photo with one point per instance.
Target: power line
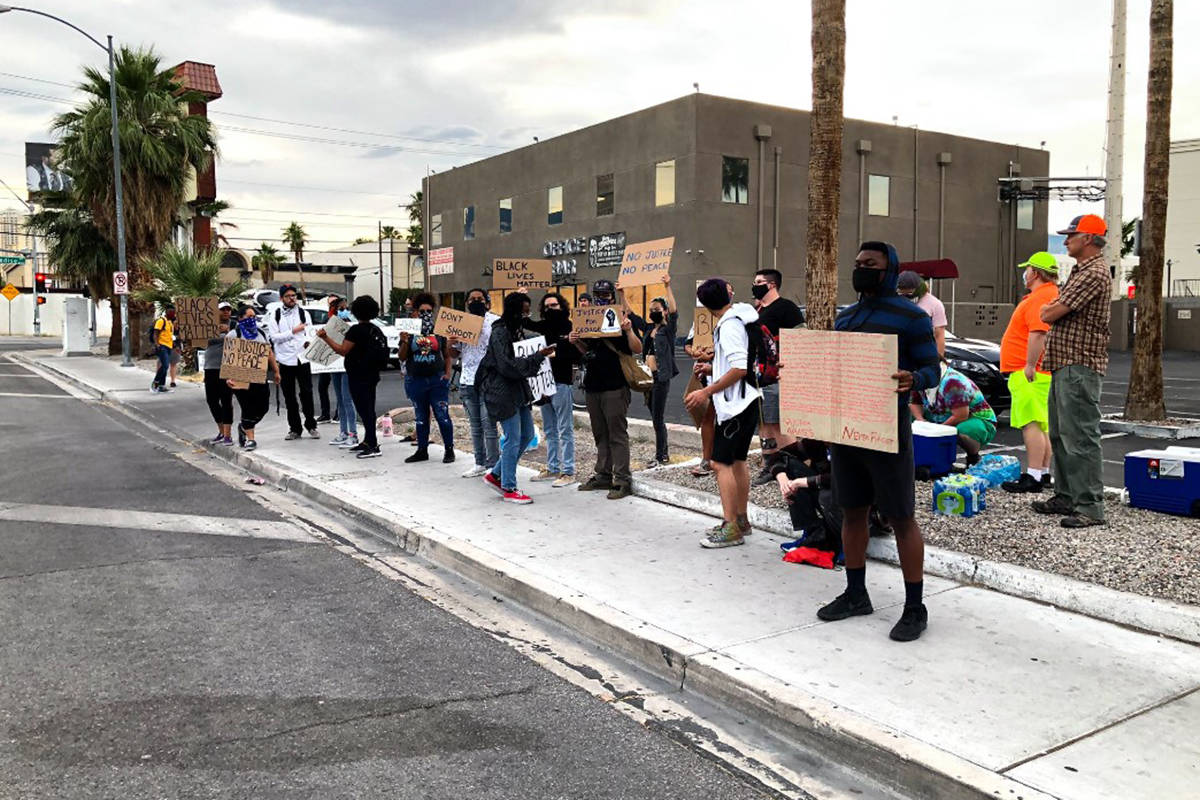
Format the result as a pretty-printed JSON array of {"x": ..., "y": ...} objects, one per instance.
[
  {"x": 341, "y": 142},
  {"x": 301, "y": 213},
  {"x": 310, "y": 188},
  {"x": 239, "y": 220},
  {"x": 222, "y": 112},
  {"x": 37, "y": 80}
]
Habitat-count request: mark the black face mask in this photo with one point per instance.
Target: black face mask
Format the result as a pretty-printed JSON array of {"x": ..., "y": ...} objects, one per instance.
[
  {"x": 656, "y": 317},
  {"x": 759, "y": 290},
  {"x": 552, "y": 313},
  {"x": 865, "y": 279},
  {"x": 477, "y": 307}
]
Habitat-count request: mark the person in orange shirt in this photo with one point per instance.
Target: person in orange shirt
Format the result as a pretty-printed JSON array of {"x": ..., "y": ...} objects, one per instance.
[{"x": 1021, "y": 352}]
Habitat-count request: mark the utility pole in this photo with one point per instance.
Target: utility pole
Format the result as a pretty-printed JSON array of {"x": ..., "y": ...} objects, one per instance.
[
  {"x": 1114, "y": 164},
  {"x": 382, "y": 299}
]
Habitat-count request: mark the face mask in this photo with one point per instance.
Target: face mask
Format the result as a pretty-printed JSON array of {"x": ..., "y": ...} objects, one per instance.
[
  {"x": 552, "y": 313},
  {"x": 426, "y": 322},
  {"x": 344, "y": 314},
  {"x": 759, "y": 290},
  {"x": 656, "y": 317},
  {"x": 865, "y": 279},
  {"x": 248, "y": 328},
  {"x": 477, "y": 307},
  {"x": 601, "y": 301}
]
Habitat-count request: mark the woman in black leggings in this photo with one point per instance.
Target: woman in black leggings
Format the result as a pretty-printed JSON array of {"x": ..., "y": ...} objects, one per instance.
[
  {"x": 254, "y": 399},
  {"x": 362, "y": 369}
]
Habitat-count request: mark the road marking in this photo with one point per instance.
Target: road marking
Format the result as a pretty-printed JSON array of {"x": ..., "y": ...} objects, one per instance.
[
  {"x": 17, "y": 375},
  {"x": 31, "y": 394},
  {"x": 153, "y": 521},
  {"x": 69, "y": 388}
]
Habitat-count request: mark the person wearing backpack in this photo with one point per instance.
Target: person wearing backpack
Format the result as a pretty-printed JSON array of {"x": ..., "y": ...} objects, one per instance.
[
  {"x": 775, "y": 313},
  {"x": 162, "y": 336},
  {"x": 366, "y": 353},
  {"x": 428, "y": 365},
  {"x": 736, "y": 399},
  {"x": 286, "y": 326}
]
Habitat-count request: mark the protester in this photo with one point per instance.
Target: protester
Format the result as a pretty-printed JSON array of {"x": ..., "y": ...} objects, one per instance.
[
  {"x": 325, "y": 379},
  {"x": 1077, "y": 356},
  {"x": 1021, "y": 352},
  {"x": 427, "y": 380},
  {"x": 805, "y": 483},
  {"x": 914, "y": 287},
  {"x": 176, "y": 357},
  {"x": 365, "y": 351},
  {"x": 736, "y": 400},
  {"x": 484, "y": 439},
  {"x": 343, "y": 411},
  {"x": 286, "y": 326},
  {"x": 957, "y": 401},
  {"x": 776, "y": 313},
  {"x": 558, "y": 412},
  {"x": 503, "y": 380},
  {"x": 658, "y": 350},
  {"x": 864, "y": 477},
  {"x": 254, "y": 399},
  {"x": 584, "y": 300},
  {"x": 608, "y": 399},
  {"x": 216, "y": 391},
  {"x": 164, "y": 342}
]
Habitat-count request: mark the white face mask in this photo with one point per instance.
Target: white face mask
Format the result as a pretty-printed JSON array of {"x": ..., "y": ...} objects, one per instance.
[{"x": 931, "y": 393}]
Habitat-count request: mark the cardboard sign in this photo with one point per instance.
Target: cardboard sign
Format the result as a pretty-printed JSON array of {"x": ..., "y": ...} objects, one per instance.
[
  {"x": 703, "y": 325},
  {"x": 318, "y": 353},
  {"x": 409, "y": 325},
  {"x": 837, "y": 387},
  {"x": 521, "y": 273},
  {"x": 541, "y": 384},
  {"x": 595, "y": 321},
  {"x": 196, "y": 320},
  {"x": 462, "y": 325},
  {"x": 645, "y": 263},
  {"x": 697, "y": 415},
  {"x": 245, "y": 360}
]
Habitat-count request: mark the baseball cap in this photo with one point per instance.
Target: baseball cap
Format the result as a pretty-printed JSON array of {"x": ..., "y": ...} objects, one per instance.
[
  {"x": 603, "y": 286},
  {"x": 222, "y": 305},
  {"x": 1043, "y": 261},
  {"x": 1086, "y": 223}
]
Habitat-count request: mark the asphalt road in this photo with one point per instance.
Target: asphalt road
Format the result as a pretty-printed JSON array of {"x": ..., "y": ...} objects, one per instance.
[{"x": 164, "y": 634}]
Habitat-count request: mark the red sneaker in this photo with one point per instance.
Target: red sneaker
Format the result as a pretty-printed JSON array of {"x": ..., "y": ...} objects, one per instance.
[
  {"x": 493, "y": 482},
  {"x": 517, "y": 497}
]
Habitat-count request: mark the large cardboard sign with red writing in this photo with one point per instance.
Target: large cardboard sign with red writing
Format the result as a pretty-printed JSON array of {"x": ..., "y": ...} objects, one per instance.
[{"x": 837, "y": 387}]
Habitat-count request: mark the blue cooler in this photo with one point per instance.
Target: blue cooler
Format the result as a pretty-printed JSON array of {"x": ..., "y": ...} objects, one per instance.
[
  {"x": 1164, "y": 480},
  {"x": 959, "y": 495},
  {"x": 934, "y": 447}
]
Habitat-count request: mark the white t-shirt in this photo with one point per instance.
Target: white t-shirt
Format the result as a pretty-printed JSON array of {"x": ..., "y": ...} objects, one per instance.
[
  {"x": 731, "y": 350},
  {"x": 472, "y": 354}
]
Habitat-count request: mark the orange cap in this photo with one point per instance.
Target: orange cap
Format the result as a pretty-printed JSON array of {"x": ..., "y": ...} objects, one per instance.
[{"x": 1087, "y": 223}]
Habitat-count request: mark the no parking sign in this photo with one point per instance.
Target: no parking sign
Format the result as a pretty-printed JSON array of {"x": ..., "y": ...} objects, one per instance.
[{"x": 120, "y": 283}]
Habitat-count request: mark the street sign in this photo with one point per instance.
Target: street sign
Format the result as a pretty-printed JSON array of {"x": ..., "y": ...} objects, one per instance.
[
  {"x": 120, "y": 283},
  {"x": 10, "y": 292},
  {"x": 12, "y": 259}
]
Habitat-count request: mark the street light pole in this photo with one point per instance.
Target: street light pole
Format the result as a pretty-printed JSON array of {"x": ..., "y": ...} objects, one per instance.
[{"x": 127, "y": 360}]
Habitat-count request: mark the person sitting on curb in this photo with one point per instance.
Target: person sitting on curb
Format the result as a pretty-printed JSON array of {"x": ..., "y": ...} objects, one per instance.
[
  {"x": 957, "y": 401},
  {"x": 736, "y": 401}
]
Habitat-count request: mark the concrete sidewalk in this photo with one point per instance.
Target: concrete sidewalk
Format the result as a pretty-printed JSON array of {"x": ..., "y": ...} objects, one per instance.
[{"x": 1002, "y": 697}]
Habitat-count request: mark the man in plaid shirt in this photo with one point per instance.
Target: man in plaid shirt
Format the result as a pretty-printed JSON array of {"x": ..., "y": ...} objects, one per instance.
[{"x": 1077, "y": 356}]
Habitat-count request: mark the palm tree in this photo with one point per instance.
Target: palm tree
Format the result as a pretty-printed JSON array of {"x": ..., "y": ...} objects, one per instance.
[
  {"x": 295, "y": 238},
  {"x": 1144, "y": 400},
  {"x": 77, "y": 248},
  {"x": 212, "y": 210},
  {"x": 390, "y": 232},
  {"x": 416, "y": 216},
  {"x": 363, "y": 240},
  {"x": 160, "y": 147},
  {"x": 825, "y": 160},
  {"x": 266, "y": 259}
]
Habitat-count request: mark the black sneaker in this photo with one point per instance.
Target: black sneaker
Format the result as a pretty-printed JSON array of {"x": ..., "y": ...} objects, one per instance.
[
  {"x": 914, "y": 620},
  {"x": 358, "y": 448},
  {"x": 1047, "y": 483},
  {"x": 1023, "y": 484},
  {"x": 844, "y": 606},
  {"x": 448, "y": 456},
  {"x": 323, "y": 419},
  {"x": 369, "y": 452},
  {"x": 763, "y": 477},
  {"x": 1080, "y": 521},
  {"x": 1058, "y": 506},
  {"x": 595, "y": 484},
  {"x": 420, "y": 455}
]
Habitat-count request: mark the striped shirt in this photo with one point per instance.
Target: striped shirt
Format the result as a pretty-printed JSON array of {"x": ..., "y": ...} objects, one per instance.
[
  {"x": 1081, "y": 337},
  {"x": 892, "y": 314}
]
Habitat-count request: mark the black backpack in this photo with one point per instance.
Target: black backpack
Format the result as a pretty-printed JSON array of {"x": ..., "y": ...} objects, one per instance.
[
  {"x": 763, "y": 354},
  {"x": 377, "y": 348},
  {"x": 153, "y": 332},
  {"x": 279, "y": 315}
]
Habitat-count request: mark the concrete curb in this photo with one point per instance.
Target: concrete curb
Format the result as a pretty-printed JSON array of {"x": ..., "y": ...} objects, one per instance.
[
  {"x": 903, "y": 762},
  {"x": 1150, "y": 431},
  {"x": 1148, "y": 614}
]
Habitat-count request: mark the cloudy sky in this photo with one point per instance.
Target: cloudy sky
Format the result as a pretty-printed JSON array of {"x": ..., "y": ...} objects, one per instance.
[{"x": 395, "y": 87}]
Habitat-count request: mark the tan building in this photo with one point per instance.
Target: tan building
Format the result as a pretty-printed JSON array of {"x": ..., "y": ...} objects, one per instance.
[{"x": 1182, "y": 277}]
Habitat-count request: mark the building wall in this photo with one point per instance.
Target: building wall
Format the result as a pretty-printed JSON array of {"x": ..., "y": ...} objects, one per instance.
[{"x": 1183, "y": 213}]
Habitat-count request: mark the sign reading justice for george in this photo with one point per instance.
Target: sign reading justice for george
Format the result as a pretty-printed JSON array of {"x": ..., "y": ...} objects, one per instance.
[
  {"x": 595, "y": 321},
  {"x": 521, "y": 273},
  {"x": 462, "y": 325},
  {"x": 645, "y": 263}
]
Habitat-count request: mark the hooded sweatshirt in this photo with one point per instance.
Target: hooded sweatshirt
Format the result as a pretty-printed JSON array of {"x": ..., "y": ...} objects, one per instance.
[
  {"x": 731, "y": 350},
  {"x": 888, "y": 313}
]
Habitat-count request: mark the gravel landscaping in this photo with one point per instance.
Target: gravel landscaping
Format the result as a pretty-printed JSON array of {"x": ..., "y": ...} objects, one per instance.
[{"x": 1152, "y": 554}]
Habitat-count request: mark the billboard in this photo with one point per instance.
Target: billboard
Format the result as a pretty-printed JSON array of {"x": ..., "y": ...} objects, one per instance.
[{"x": 42, "y": 171}]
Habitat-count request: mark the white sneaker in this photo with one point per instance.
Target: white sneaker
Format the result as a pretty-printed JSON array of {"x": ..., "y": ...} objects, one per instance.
[
  {"x": 337, "y": 440},
  {"x": 475, "y": 471},
  {"x": 350, "y": 441}
]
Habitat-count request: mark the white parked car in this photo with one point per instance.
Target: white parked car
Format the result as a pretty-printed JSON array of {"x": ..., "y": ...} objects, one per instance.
[{"x": 393, "y": 340}]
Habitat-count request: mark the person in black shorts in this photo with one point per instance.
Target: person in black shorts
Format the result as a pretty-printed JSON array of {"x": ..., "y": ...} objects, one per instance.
[
  {"x": 776, "y": 313},
  {"x": 862, "y": 477}
]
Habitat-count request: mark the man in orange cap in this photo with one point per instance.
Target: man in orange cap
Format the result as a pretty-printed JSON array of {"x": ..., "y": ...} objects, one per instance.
[{"x": 1076, "y": 357}]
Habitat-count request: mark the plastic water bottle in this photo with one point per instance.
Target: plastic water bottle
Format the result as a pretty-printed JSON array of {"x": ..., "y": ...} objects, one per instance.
[{"x": 385, "y": 426}]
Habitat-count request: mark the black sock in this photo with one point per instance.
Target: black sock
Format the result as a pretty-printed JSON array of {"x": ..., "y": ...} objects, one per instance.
[
  {"x": 912, "y": 593},
  {"x": 856, "y": 581}
]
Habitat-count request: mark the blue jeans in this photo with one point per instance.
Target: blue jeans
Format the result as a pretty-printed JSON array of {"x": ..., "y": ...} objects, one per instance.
[
  {"x": 431, "y": 394},
  {"x": 163, "y": 354},
  {"x": 558, "y": 420},
  {"x": 518, "y": 433},
  {"x": 345, "y": 404},
  {"x": 483, "y": 428}
]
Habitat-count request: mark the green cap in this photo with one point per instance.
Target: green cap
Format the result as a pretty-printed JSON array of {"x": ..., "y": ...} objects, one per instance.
[{"x": 1043, "y": 261}]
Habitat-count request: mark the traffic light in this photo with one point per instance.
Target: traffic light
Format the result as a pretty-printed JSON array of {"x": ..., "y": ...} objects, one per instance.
[
  {"x": 39, "y": 282},
  {"x": 41, "y": 301}
]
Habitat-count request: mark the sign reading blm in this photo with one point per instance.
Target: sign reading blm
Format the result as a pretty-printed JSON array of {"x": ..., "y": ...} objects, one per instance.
[
  {"x": 461, "y": 325},
  {"x": 245, "y": 361},
  {"x": 646, "y": 263},
  {"x": 521, "y": 273}
]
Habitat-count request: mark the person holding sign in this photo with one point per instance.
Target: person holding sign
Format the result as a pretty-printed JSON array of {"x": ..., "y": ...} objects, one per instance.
[
  {"x": 862, "y": 477},
  {"x": 484, "y": 440},
  {"x": 427, "y": 380},
  {"x": 608, "y": 398},
  {"x": 286, "y": 326},
  {"x": 254, "y": 399},
  {"x": 502, "y": 379},
  {"x": 558, "y": 412},
  {"x": 216, "y": 391},
  {"x": 658, "y": 348},
  {"x": 365, "y": 350}
]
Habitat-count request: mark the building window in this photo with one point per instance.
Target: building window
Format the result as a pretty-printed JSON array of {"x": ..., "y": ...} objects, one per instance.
[
  {"x": 506, "y": 215},
  {"x": 604, "y": 195},
  {"x": 554, "y": 207},
  {"x": 435, "y": 230},
  {"x": 735, "y": 180},
  {"x": 879, "y": 189},
  {"x": 469, "y": 222},
  {"x": 1025, "y": 215},
  {"x": 664, "y": 183}
]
